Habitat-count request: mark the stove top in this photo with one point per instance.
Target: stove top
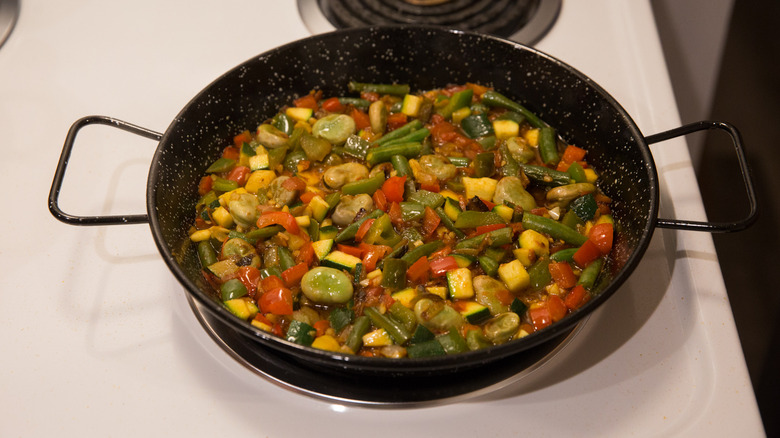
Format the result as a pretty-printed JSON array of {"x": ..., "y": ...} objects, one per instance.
[{"x": 524, "y": 21}]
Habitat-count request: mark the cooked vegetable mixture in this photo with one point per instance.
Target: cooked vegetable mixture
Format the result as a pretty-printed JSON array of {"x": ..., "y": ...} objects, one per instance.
[{"x": 399, "y": 224}]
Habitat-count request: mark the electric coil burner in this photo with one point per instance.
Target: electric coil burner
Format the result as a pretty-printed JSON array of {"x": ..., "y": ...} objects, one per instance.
[{"x": 524, "y": 21}]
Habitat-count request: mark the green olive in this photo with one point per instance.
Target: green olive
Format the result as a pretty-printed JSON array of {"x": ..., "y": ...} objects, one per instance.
[{"x": 325, "y": 285}]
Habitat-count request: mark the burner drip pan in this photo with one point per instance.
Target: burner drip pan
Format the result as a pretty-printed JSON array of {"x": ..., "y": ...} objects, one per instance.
[{"x": 380, "y": 391}]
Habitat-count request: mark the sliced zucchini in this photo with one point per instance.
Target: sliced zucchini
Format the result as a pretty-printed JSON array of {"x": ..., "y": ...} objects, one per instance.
[
  {"x": 505, "y": 211},
  {"x": 463, "y": 260},
  {"x": 474, "y": 312},
  {"x": 328, "y": 232},
  {"x": 243, "y": 308},
  {"x": 483, "y": 188},
  {"x": 459, "y": 283},
  {"x": 406, "y": 296},
  {"x": 514, "y": 275},
  {"x": 299, "y": 114},
  {"x": 411, "y": 105},
  {"x": 319, "y": 208},
  {"x": 341, "y": 260},
  {"x": 259, "y": 161},
  {"x": 322, "y": 248}
]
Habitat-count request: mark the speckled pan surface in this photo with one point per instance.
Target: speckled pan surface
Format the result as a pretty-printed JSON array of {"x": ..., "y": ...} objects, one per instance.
[{"x": 582, "y": 112}]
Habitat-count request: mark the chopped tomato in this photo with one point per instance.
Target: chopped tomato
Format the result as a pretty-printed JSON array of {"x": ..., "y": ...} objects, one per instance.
[
  {"x": 244, "y": 137},
  {"x": 333, "y": 105},
  {"x": 239, "y": 174},
  {"x": 278, "y": 301},
  {"x": 205, "y": 184},
  {"x": 431, "y": 221},
  {"x": 393, "y": 188},
  {"x": 441, "y": 253},
  {"x": 396, "y": 120},
  {"x": 587, "y": 253},
  {"x": 380, "y": 200},
  {"x": 370, "y": 96},
  {"x": 361, "y": 119},
  {"x": 294, "y": 183},
  {"x": 576, "y": 297},
  {"x": 440, "y": 266},
  {"x": 282, "y": 218},
  {"x": 363, "y": 229},
  {"x": 250, "y": 277},
  {"x": 505, "y": 297},
  {"x": 601, "y": 235},
  {"x": 562, "y": 274},
  {"x": 293, "y": 275},
  {"x": 419, "y": 271},
  {"x": 231, "y": 152}
]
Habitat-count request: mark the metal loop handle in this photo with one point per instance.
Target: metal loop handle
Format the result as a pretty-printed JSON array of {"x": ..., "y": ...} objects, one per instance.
[
  {"x": 56, "y": 184},
  {"x": 747, "y": 177}
]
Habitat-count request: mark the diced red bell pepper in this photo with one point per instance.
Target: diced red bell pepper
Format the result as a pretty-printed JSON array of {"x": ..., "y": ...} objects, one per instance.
[
  {"x": 293, "y": 275},
  {"x": 351, "y": 250},
  {"x": 205, "y": 184},
  {"x": 282, "y": 218},
  {"x": 540, "y": 316},
  {"x": 482, "y": 229},
  {"x": 321, "y": 326},
  {"x": 244, "y": 137},
  {"x": 372, "y": 254},
  {"x": 440, "y": 266},
  {"x": 576, "y": 297},
  {"x": 431, "y": 221},
  {"x": 393, "y": 188},
  {"x": 363, "y": 229},
  {"x": 271, "y": 282},
  {"x": 231, "y": 152},
  {"x": 380, "y": 200},
  {"x": 361, "y": 119},
  {"x": 602, "y": 235},
  {"x": 294, "y": 183},
  {"x": 249, "y": 277},
  {"x": 306, "y": 197},
  {"x": 239, "y": 174},
  {"x": 278, "y": 301},
  {"x": 562, "y": 274},
  {"x": 306, "y": 254},
  {"x": 587, "y": 253},
  {"x": 396, "y": 120},
  {"x": 419, "y": 271},
  {"x": 395, "y": 213},
  {"x": 333, "y": 105},
  {"x": 557, "y": 307},
  {"x": 307, "y": 101},
  {"x": 573, "y": 153},
  {"x": 432, "y": 186}
]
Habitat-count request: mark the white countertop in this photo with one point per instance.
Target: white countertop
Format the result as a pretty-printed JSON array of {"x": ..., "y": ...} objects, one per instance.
[{"x": 98, "y": 339}]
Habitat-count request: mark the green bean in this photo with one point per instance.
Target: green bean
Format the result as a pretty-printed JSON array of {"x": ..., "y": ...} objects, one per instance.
[
  {"x": 426, "y": 198},
  {"x": 396, "y": 330},
  {"x": 401, "y": 166},
  {"x": 351, "y": 230},
  {"x": 510, "y": 167},
  {"x": 591, "y": 273},
  {"x": 545, "y": 175},
  {"x": 555, "y": 229},
  {"x": 368, "y": 185},
  {"x": 393, "y": 89},
  {"x": 474, "y": 219},
  {"x": 400, "y": 132},
  {"x": 355, "y": 101},
  {"x": 404, "y": 315},
  {"x": 458, "y": 100},
  {"x": 459, "y": 161},
  {"x": 564, "y": 255},
  {"x": 359, "y": 328},
  {"x": 412, "y": 137},
  {"x": 423, "y": 250},
  {"x": 447, "y": 222},
  {"x": 206, "y": 253},
  {"x": 381, "y": 154},
  {"x": 548, "y": 146},
  {"x": 286, "y": 260},
  {"x": 498, "y": 237},
  {"x": 493, "y": 98}
]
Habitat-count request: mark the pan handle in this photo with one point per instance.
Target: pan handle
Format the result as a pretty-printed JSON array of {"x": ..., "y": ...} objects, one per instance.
[
  {"x": 56, "y": 184},
  {"x": 747, "y": 177}
]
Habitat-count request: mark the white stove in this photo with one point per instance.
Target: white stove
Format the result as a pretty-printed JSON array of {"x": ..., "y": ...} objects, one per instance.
[{"x": 99, "y": 338}]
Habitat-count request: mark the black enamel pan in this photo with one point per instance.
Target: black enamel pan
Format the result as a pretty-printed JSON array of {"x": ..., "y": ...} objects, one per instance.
[{"x": 582, "y": 112}]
